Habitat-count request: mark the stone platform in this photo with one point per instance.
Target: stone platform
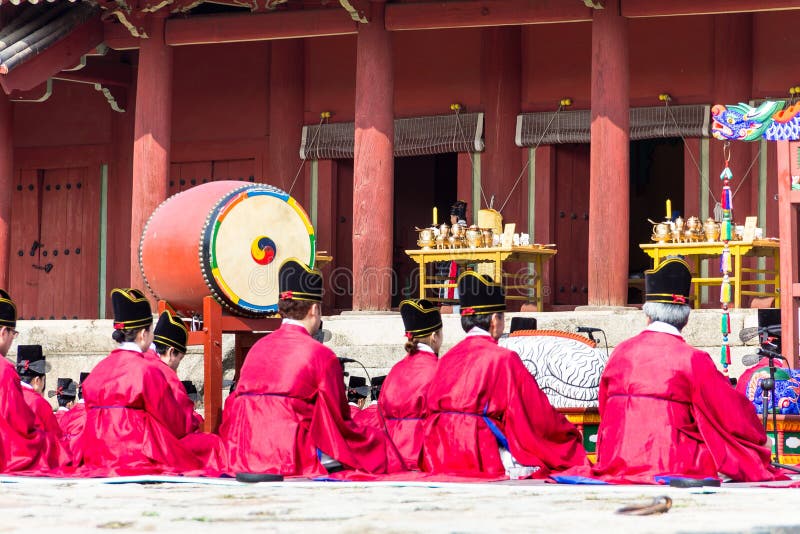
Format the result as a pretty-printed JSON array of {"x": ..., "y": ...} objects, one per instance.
[{"x": 375, "y": 340}]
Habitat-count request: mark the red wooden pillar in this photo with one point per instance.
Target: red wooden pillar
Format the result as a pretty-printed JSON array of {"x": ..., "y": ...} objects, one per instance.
[
  {"x": 733, "y": 82},
  {"x": 373, "y": 177},
  {"x": 286, "y": 99},
  {"x": 6, "y": 184},
  {"x": 609, "y": 187},
  {"x": 152, "y": 132},
  {"x": 500, "y": 96}
]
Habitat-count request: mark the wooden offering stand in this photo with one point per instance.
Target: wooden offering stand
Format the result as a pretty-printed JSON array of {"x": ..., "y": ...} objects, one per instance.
[{"x": 216, "y": 322}]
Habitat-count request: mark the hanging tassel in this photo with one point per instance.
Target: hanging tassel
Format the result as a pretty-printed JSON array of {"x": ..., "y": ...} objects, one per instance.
[
  {"x": 727, "y": 200},
  {"x": 725, "y": 293},
  {"x": 726, "y": 324},
  {"x": 725, "y": 231},
  {"x": 725, "y": 355},
  {"x": 725, "y": 261},
  {"x": 726, "y": 174}
]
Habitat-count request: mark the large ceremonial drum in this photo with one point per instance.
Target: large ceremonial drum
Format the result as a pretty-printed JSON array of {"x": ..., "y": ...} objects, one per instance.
[{"x": 227, "y": 239}]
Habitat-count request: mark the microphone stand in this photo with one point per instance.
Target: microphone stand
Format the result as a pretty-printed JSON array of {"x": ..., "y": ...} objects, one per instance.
[{"x": 767, "y": 391}]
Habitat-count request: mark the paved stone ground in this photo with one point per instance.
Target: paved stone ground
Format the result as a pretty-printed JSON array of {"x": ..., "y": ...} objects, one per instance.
[{"x": 80, "y": 506}]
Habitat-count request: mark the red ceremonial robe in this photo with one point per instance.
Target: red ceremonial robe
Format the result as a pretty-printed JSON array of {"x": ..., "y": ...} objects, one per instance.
[
  {"x": 479, "y": 385},
  {"x": 403, "y": 405},
  {"x": 45, "y": 420},
  {"x": 72, "y": 424},
  {"x": 133, "y": 422},
  {"x": 289, "y": 404},
  {"x": 60, "y": 412},
  {"x": 23, "y": 446},
  {"x": 665, "y": 409},
  {"x": 205, "y": 446}
]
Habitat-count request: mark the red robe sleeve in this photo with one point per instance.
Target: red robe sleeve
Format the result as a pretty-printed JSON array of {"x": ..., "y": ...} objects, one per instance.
[
  {"x": 21, "y": 445},
  {"x": 160, "y": 403},
  {"x": 729, "y": 425},
  {"x": 333, "y": 430},
  {"x": 536, "y": 432}
]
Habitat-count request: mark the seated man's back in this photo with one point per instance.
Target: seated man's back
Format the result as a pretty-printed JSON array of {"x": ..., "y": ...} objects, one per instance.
[
  {"x": 665, "y": 409},
  {"x": 487, "y": 414},
  {"x": 289, "y": 411}
]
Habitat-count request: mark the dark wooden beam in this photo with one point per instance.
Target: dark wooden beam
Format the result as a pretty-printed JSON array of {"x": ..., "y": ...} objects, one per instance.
[
  {"x": 64, "y": 54},
  {"x": 117, "y": 36},
  {"x": 651, "y": 8},
  {"x": 248, "y": 27},
  {"x": 40, "y": 93},
  {"x": 479, "y": 13},
  {"x": 105, "y": 71}
]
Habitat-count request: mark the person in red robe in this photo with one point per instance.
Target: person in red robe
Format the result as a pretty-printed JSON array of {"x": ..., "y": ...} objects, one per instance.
[
  {"x": 73, "y": 422},
  {"x": 170, "y": 337},
  {"x": 32, "y": 368},
  {"x": 133, "y": 422},
  {"x": 403, "y": 402},
  {"x": 288, "y": 414},
  {"x": 487, "y": 415},
  {"x": 65, "y": 393},
  {"x": 23, "y": 446},
  {"x": 665, "y": 409}
]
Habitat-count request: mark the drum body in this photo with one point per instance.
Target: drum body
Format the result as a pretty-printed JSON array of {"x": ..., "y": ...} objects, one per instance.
[{"x": 226, "y": 239}]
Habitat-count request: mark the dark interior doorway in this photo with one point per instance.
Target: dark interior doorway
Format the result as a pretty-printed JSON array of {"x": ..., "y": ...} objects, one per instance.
[
  {"x": 420, "y": 183},
  {"x": 656, "y": 175},
  {"x": 571, "y": 225}
]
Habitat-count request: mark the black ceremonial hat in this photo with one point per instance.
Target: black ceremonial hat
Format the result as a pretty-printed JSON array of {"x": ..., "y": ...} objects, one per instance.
[
  {"x": 31, "y": 360},
  {"x": 65, "y": 387},
  {"x": 479, "y": 295},
  {"x": 170, "y": 331},
  {"x": 420, "y": 317},
  {"x": 459, "y": 209},
  {"x": 297, "y": 282},
  {"x": 83, "y": 377},
  {"x": 8, "y": 310},
  {"x": 669, "y": 283},
  {"x": 131, "y": 309}
]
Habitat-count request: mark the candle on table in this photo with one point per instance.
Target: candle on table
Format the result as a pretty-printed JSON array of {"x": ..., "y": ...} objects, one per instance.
[
  {"x": 435, "y": 217},
  {"x": 669, "y": 209}
]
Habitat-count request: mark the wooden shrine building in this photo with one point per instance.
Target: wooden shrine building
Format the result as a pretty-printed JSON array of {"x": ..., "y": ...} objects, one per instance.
[{"x": 370, "y": 113}]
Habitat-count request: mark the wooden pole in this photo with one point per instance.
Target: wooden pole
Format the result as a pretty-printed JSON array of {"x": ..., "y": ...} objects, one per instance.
[
  {"x": 609, "y": 187},
  {"x": 373, "y": 175},
  {"x": 6, "y": 184},
  {"x": 286, "y": 100},
  {"x": 152, "y": 132},
  {"x": 501, "y": 95}
]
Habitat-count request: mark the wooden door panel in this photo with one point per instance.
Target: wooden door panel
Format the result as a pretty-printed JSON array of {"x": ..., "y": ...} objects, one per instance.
[
  {"x": 23, "y": 279},
  {"x": 235, "y": 169},
  {"x": 89, "y": 231},
  {"x": 571, "y": 226},
  {"x": 60, "y": 209}
]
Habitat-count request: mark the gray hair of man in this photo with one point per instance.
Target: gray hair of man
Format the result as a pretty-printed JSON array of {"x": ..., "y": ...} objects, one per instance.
[{"x": 675, "y": 314}]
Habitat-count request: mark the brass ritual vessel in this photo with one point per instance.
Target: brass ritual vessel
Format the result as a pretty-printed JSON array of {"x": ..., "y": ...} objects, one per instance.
[
  {"x": 691, "y": 230},
  {"x": 474, "y": 237},
  {"x": 426, "y": 238},
  {"x": 442, "y": 236},
  {"x": 712, "y": 230},
  {"x": 488, "y": 237}
]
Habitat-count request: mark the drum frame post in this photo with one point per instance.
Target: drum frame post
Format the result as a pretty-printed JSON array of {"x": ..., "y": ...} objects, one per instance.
[{"x": 215, "y": 323}]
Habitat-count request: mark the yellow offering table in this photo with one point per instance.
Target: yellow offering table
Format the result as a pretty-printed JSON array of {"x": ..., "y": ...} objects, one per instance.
[
  {"x": 739, "y": 249},
  {"x": 534, "y": 254}
]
